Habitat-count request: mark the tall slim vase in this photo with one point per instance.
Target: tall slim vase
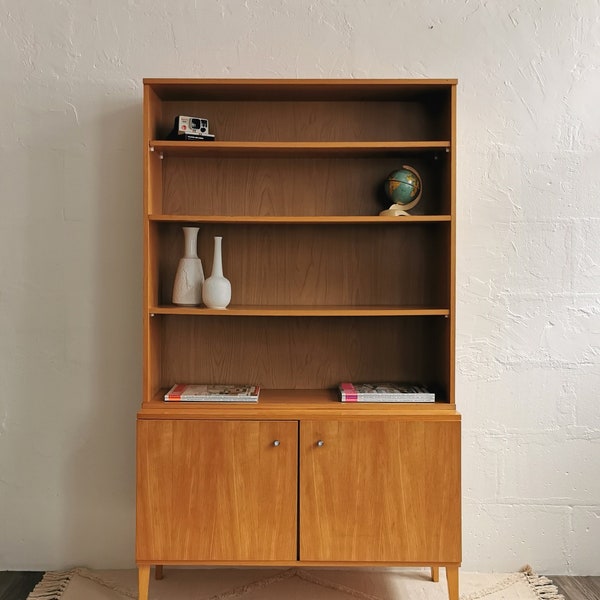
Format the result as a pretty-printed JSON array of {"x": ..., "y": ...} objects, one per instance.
[
  {"x": 216, "y": 291},
  {"x": 187, "y": 289}
]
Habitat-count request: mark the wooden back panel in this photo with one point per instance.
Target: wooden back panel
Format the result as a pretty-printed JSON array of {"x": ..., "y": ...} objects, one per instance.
[
  {"x": 296, "y": 186},
  {"x": 308, "y": 265},
  {"x": 301, "y": 352}
]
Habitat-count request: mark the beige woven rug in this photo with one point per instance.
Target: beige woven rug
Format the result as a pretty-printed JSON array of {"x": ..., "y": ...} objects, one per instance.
[{"x": 292, "y": 584}]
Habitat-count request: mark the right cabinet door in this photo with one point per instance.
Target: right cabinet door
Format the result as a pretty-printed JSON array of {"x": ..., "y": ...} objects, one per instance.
[{"x": 380, "y": 491}]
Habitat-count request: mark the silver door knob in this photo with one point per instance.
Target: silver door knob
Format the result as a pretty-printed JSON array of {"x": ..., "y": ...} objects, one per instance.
[
  {"x": 276, "y": 443},
  {"x": 320, "y": 443}
]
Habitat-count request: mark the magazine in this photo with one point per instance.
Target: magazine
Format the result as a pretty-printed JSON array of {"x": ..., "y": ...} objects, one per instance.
[
  {"x": 204, "y": 392},
  {"x": 385, "y": 392}
]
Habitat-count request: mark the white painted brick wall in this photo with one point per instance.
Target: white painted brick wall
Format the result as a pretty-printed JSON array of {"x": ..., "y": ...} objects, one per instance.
[{"x": 528, "y": 335}]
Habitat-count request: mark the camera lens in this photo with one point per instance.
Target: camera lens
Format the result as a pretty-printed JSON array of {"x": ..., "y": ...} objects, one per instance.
[{"x": 195, "y": 123}]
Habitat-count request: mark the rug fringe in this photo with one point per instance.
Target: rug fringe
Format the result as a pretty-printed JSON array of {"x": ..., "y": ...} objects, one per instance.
[
  {"x": 542, "y": 586},
  {"x": 52, "y": 585},
  {"x": 499, "y": 586}
]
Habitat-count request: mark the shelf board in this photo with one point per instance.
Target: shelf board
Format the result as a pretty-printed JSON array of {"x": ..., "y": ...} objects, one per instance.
[
  {"x": 294, "y": 404},
  {"x": 299, "y": 220},
  {"x": 301, "y": 311},
  {"x": 339, "y": 90},
  {"x": 237, "y": 149}
]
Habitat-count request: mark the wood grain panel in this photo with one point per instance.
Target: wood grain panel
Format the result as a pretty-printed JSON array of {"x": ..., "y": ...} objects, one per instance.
[
  {"x": 216, "y": 490},
  {"x": 152, "y": 166},
  {"x": 312, "y": 121},
  {"x": 380, "y": 491},
  {"x": 451, "y": 243},
  {"x": 294, "y": 186},
  {"x": 312, "y": 265},
  {"x": 302, "y": 353}
]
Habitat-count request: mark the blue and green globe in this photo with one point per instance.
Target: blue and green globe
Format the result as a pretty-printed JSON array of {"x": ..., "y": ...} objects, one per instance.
[{"x": 403, "y": 186}]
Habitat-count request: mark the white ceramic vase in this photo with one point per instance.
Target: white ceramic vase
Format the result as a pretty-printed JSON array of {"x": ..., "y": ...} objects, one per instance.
[
  {"x": 187, "y": 289},
  {"x": 216, "y": 291}
]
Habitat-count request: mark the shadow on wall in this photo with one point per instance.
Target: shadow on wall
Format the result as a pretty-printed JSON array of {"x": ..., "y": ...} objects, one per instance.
[
  {"x": 87, "y": 249},
  {"x": 102, "y": 474}
]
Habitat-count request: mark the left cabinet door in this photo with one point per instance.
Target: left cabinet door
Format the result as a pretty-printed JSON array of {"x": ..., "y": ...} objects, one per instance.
[{"x": 216, "y": 490}]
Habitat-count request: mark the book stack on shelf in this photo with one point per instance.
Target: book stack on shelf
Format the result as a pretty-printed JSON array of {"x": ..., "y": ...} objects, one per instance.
[
  {"x": 384, "y": 392},
  {"x": 202, "y": 392}
]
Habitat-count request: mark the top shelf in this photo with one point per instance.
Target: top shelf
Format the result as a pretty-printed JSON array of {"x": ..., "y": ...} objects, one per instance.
[
  {"x": 296, "y": 149},
  {"x": 295, "y": 89}
]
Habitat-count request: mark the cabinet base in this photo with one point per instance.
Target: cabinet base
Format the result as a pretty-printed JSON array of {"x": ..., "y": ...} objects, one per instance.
[{"x": 451, "y": 578}]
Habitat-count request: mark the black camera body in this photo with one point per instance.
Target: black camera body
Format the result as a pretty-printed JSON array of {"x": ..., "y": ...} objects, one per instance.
[{"x": 190, "y": 128}]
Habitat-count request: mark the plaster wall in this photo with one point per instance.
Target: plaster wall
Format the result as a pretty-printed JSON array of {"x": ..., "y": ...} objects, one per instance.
[{"x": 528, "y": 288}]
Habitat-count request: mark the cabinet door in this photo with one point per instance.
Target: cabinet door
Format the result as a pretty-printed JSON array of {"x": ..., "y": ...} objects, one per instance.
[
  {"x": 380, "y": 491},
  {"x": 216, "y": 490}
]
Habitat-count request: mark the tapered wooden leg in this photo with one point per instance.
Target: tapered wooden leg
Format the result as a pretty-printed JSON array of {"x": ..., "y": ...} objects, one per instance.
[
  {"x": 435, "y": 574},
  {"x": 143, "y": 582},
  {"x": 452, "y": 578},
  {"x": 158, "y": 572}
]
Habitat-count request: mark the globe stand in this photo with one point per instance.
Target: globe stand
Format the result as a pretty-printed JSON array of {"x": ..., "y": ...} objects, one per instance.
[{"x": 395, "y": 210}]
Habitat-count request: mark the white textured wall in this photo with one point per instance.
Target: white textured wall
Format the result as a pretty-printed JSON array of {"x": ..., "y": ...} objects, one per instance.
[{"x": 528, "y": 341}]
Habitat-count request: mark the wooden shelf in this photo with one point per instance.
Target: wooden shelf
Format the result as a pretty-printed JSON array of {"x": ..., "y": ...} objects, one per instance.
[
  {"x": 302, "y": 311},
  {"x": 292, "y": 404},
  {"x": 340, "y": 90},
  {"x": 299, "y": 220},
  {"x": 245, "y": 149}
]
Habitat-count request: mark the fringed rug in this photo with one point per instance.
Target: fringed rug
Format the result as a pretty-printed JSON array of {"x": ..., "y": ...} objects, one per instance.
[{"x": 292, "y": 584}]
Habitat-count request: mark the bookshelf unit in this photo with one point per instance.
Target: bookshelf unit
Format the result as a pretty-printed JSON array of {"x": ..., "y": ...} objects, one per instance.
[{"x": 323, "y": 291}]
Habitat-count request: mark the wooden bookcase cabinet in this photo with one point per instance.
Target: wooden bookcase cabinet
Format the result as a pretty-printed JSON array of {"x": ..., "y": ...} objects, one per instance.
[{"x": 324, "y": 291}]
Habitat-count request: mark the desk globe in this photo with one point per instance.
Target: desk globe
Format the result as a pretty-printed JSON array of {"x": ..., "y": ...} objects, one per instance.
[{"x": 403, "y": 188}]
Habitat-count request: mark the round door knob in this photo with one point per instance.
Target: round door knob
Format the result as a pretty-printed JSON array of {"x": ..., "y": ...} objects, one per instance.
[
  {"x": 276, "y": 443},
  {"x": 320, "y": 443}
]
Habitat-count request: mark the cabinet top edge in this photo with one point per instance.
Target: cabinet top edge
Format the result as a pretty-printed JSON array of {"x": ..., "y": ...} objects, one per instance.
[
  {"x": 296, "y": 81},
  {"x": 338, "y": 89}
]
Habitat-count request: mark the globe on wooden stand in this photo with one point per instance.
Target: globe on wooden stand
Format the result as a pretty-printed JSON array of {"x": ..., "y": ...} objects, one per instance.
[{"x": 403, "y": 187}]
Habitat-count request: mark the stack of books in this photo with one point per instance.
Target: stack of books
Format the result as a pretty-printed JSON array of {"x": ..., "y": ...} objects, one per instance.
[
  {"x": 384, "y": 392},
  {"x": 203, "y": 392}
]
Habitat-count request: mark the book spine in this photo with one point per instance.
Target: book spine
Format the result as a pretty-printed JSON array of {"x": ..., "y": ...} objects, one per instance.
[
  {"x": 348, "y": 392},
  {"x": 174, "y": 394}
]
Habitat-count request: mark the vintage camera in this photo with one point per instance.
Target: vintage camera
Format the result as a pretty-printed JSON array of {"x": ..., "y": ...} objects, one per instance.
[{"x": 190, "y": 128}]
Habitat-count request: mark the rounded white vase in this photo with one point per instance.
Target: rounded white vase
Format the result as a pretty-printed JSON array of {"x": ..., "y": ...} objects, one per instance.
[
  {"x": 216, "y": 291},
  {"x": 187, "y": 288}
]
